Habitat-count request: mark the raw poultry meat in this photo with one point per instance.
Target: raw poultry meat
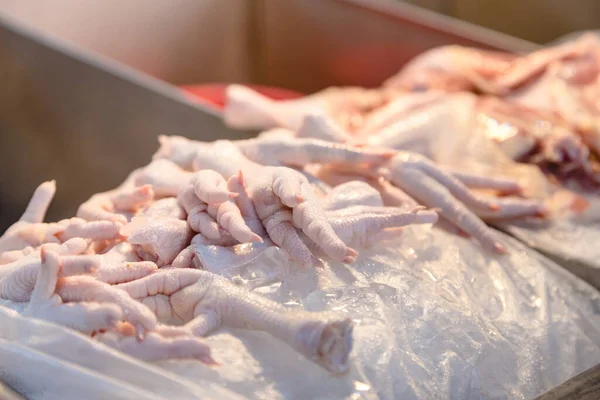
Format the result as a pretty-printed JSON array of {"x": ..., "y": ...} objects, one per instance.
[
  {"x": 283, "y": 198},
  {"x": 548, "y": 97},
  {"x": 138, "y": 268},
  {"x": 413, "y": 173},
  {"x": 56, "y": 282},
  {"x": 421, "y": 179},
  {"x": 193, "y": 207},
  {"x": 93, "y": 307},
  {"x": 456, "y": 68},
  {"x": 213, "y": 212},
  {"x": 248, "y": 109},
  {"x": 555, "y": 86},
  {"x": 126, "y": 271},
  {"x": 358, "y": 215},
  {"x": 354, "y": 209},
  {"x": 121, "y": 264},
  {"x": 205, "y": 301},
  {"x": 116, "y": 205},
  {"x": 532, "y": 136},
  {"x": 550, "y": 116},
  {"x": 539, "y": 110},
  {"x": 525, "y": 136},
  {"x": 158, "y": 240},
  {"x": 30, "y": 231}
]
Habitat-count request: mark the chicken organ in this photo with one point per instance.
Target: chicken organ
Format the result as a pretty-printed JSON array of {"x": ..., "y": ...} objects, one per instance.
[{"x": 533, "y": 136}]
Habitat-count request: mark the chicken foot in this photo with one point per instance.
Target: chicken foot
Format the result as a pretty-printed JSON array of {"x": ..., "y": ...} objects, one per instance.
[
  {"x": 204, "y": 302},
  {"x": 30, "y": 231},
  {"x": 427, "y": 183},
  {"x": 18, "y": 280}
]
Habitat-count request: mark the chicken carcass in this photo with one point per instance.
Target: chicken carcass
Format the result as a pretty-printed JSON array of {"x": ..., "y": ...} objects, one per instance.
[{"x": 247, "y": 109}]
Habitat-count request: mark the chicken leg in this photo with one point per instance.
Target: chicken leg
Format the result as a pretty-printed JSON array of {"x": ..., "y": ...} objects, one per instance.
[{"x": 204, "y": 301}]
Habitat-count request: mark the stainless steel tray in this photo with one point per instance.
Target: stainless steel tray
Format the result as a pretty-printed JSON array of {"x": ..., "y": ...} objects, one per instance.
[
  {"x": 85, "y": 85},
  {"x": 7, "y": 393}
]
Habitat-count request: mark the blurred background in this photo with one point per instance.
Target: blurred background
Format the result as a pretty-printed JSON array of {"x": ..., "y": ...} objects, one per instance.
[{"x": 539, "y": 21}]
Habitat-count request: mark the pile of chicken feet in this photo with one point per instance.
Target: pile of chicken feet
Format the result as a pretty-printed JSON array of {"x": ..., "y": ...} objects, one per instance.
[{"x": 139, "y": 267}]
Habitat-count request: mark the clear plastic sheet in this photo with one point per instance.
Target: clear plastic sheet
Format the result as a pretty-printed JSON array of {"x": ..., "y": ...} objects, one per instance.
[
  {"x": 570, "y": 239},
  {"x": 47, "y": 361},
  {"x": 436, "y": 318}
]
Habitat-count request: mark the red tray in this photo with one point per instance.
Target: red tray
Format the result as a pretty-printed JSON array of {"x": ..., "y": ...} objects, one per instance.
[{"x": 214, "y": 94}]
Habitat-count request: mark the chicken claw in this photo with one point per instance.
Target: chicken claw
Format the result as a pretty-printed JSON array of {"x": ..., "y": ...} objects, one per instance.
[
  {"x": 164, "y": 176},
  {"x": 30, "y": 231},
  {"x": 45, "y": 304},
  {"x": 357, "y": 214},
  {"x": 205, "y": 301},
  {"x": 114, "y": 204},
  {"x": 177, "y": 149},
  {"x": 212, "y": 210},
  {"x": 155, "y": 347},
  {"x": 10, "y": 256},
  {"x": 474, "y": 181},
  {"x": 88, "y": 289},
  {"x": 248, "y": 109},
  {"x": 93, "y": 230},
  {"x": 17, "y": 279},
  {"x": 319, "y": 126},
  {"x": 39, "y": 203},
  {"x": 165, "y": 208},
  {"x": 284, "y": 201},
  {"x": 24, "y": 234},
  {"x": 211, "y": 187},
  {"x": 284, "y": 150},
  {"x": 157, "y": 239},
  {"x": 424, "y": 181},
  {"x": 122, "y": 264},
  {"x": 237, "y": 184}
]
